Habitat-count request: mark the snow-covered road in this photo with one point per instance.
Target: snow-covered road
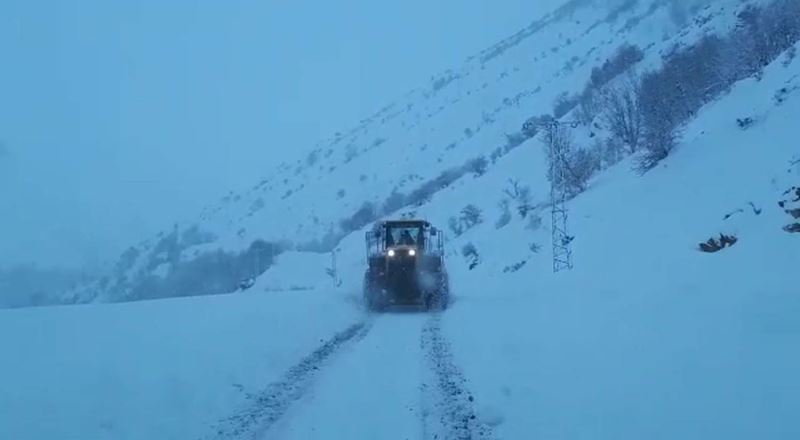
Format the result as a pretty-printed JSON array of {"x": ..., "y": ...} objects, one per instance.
[
  {"x": 374, "y": 386},
  {"x": 560, "y": 361},
  {"x": 391, "y": 372}
]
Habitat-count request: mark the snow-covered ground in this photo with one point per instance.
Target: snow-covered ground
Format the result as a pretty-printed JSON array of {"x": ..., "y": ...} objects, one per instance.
[
  {"x": 645, "y": 338},
  {"x": 152, "y": 370}
]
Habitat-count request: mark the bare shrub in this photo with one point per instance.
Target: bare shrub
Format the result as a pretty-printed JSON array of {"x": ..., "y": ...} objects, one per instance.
[
  {"x": 622, "y": 113},
  {"x": 477, "y": 166},
  {"x": 515, "y": 267},
  {"x": 470, "y": 253},
  {"x": 455, "y": 226},
  {"x": 588, "y": 107},
  {"x": 521, "y": 195},
  {"x": 716, "y": 245},
  {"x": 625, "y": 56},
  {"x": 505, "y": 214},
  {"x": 578, "y": 166},
  {"x": 534, "y": 222},
  {"x": 612, "y": 151},
  {"x": 583, "y": 163},
  {"x": 471, "y": 216}
]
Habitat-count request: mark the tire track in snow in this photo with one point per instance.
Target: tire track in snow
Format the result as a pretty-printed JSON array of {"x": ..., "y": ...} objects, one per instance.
[
  {"x": 273, "y": 402},
  {"x": 450, "y": 413}
]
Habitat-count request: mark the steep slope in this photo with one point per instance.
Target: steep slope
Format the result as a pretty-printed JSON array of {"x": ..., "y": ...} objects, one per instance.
[
  {"x": 648, "y": 337},
  {"x": 465, "y": 121}
]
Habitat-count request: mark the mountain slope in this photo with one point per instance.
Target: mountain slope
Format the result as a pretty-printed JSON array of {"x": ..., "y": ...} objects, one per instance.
[
  {"x": 463, "y": 122},
  {"x": 646, "y": 337}
]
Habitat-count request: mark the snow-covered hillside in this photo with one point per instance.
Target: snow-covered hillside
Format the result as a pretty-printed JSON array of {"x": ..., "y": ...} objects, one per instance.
[
  {"x": 433, "y": 139},
  {"x": 647, "y": 337}
]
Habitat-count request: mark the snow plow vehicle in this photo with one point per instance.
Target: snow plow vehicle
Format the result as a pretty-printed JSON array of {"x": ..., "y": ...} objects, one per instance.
[{"x": 405, "y": 260}]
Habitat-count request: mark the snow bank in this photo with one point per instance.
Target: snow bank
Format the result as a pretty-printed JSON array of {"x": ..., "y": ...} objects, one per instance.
[
  {"x": 164, "y": 369},
  {"x": 648, "y": 337}
]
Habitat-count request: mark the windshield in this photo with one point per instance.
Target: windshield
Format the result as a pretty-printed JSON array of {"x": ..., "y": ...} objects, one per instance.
[{"x": 404, "y": 236}]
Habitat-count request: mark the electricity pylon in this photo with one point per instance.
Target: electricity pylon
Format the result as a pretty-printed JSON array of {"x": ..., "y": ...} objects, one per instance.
[{"x": 558, "y": 151}]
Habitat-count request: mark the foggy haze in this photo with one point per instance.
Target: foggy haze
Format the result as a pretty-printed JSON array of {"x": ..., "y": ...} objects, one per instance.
[{"x": 120, "y": 118}]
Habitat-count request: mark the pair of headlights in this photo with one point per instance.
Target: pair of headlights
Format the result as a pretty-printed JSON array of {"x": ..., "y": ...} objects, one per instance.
[{"x": 392, "y": 253}]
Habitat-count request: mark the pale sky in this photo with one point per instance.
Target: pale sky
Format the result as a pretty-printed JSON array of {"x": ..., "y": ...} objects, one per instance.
[{"x": 119, "y": 117}]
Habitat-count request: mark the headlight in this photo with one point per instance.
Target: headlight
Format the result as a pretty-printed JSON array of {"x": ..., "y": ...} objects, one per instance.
[
  {"x": 390, "y": 253},
  {"x": 412, "y": 252}
]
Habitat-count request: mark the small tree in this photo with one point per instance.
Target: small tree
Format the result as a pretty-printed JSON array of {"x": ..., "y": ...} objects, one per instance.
[
  {"x": 659, "y": 108},
  {"x": 505, "y": 214},
  {"x": 612, "y": 151},
  {"x": 524, "y": 201},
  {"x": 659, "y": 140},
  {"x": 350, "y": 153},
  {"x": 582, "y": 166},
  {"x": 569, "y": 171},
  {"x": 455, "y": 226},
  {"x": 624, "y": 57},
  {"x": 521, "y": 195},
  {"x": 478, "y": 166},
  {"x": 126, "y": 261},
  {"x": 471, "y": 215},
  {"x": 470, "y": 253},
  {"x": 534, "y": 222},
  {"x": 588, "y": 107},
  {"x": 622, "y": 113}
]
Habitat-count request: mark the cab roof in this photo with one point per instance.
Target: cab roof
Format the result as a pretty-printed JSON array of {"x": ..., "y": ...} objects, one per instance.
[{"x": 405, "y": 223}]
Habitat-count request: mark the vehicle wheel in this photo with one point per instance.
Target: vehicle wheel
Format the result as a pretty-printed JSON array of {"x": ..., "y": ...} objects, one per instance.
[
  {"x": 373, "y": 301},
  {"x": 369, "y": 293},
  {"x": 430, "y": 302},
  {"x": 443, "y": 294},
  {"x": 436, "y": 301}
]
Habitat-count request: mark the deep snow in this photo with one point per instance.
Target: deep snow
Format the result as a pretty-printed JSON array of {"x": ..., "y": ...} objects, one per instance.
[
  {"x": 151, "y": 370},
  {"x": 646, "y": 338}
]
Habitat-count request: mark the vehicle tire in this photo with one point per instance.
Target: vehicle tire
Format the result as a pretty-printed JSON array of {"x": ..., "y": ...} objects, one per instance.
[
  {"x": 430, "y": 302},
  {"x": 373, "y": 300},
  {"x": 369, "y": 293},
  {"x": 443, "y": 293},
  {"x": 437, "y": 300}
]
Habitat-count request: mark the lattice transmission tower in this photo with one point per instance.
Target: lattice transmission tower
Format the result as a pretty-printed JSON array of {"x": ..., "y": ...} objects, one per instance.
[{"x": 558, "y": 149}]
